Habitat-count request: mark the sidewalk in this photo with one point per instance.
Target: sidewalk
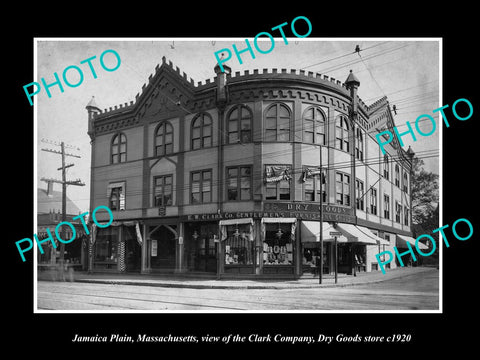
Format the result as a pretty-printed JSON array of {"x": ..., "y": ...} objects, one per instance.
[{"x": 181, "y": 281}]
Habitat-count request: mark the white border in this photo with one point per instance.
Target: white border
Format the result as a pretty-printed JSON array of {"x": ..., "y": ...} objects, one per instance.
[{"x": 330, "y": 39}]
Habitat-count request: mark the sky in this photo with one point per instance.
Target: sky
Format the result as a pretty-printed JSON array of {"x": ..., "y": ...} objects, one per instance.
[{"x": 407, "y": 71}]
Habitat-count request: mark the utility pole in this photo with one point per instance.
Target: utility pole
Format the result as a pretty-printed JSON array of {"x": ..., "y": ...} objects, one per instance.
[
  {"x": 64, "y": 183},
  {"x": 320, "y": 270}
]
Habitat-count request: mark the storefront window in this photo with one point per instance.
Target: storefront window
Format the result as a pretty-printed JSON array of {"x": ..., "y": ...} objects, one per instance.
[
  {"x": 238, "y": 246},
  {"x": 277, "y": 246}
]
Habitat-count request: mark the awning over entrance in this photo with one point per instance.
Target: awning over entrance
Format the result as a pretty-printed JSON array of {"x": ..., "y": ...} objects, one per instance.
[
  {"x": 236, "y": 221},
  {"x": 224, "y": 223},
  {"x": 311, "y": 232},
  {"x": 402, "y": 239},
  {"x": 354, "y": 234},
  {"x": 279, "y": 220},
  {"x": 378, "y": 239}
]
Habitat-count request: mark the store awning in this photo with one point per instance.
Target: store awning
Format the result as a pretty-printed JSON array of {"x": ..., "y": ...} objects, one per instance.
[
  {"x": 311, "y": 232},
  {"x": 236, "y": 221},
  {"x": 279, "y": 220},
  {"x": 378, "y": 239},
  {"x": 403, "y": 239},
  {"x": 354, "y": 234}
]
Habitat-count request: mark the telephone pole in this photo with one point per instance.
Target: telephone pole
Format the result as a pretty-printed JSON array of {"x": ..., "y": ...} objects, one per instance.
[{"x": 64, "y": 183}]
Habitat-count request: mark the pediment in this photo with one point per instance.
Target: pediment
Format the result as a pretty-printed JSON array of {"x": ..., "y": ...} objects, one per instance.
[{"x": 166, "y": 93}]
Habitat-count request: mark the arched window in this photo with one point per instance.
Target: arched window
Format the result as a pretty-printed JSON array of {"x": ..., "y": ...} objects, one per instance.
[
  {"x": 239, "y": 125},
  {"x": 119, "y": 148},
  {"x": 341, "y": 134},
  {"x": 397, "y": 175},
  {"x": 164, "y": 139},
  {"x": 277, "y": 123},
  {"x": 359, "y": 145},
  {"x": 201, "y": 131},
  {"x": 314, "y": 126}
]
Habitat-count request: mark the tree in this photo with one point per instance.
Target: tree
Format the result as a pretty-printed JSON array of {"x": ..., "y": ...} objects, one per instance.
[
  {"x": 425, "y": 207},
  {"x": 424, "y": 193}
]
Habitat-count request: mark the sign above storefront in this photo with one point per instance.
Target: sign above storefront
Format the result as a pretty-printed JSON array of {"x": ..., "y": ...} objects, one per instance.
[
  {"x": 299, "y": 210},
  {"x": 307, "y": 207}
]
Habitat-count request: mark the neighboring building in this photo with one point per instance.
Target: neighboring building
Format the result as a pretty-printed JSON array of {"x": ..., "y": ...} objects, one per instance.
[
  {"x": 224, "y": 177},
  {"x": 49, "y": 215}
]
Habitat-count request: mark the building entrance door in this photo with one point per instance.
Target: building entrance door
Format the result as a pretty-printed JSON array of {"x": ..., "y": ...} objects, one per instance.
[
  {"x": 201, "y": 249},
  {"x": 162, "y": 249},
  {"x": 133, "y": 250}
]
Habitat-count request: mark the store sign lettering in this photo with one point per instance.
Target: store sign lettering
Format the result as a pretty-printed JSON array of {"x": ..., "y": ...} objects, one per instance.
[
  {"x": 309, "y": 207},
  {"x": 299, "y": 211}
]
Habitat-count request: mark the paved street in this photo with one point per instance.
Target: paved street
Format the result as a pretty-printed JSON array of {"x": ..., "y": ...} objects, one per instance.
[{"x": 418, "y": 291}]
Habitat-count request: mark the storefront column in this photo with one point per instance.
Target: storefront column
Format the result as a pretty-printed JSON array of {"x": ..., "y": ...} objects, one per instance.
[
  {"x": 298, "y": 256},
  {"x": 91, "y": 243},
  {"x": 259, "y": 241},
  {"x": 220, "y": 253},
  {"x": 90, "y": 257},
  {"x": 120, "y": 250},
  {"x": 180, "y": 263},
  {"x": 143, "y": 264}
]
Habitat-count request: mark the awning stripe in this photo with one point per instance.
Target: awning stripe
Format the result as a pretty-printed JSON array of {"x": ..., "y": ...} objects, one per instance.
[
  {"x": 311, "y": 232},
  {"x": 378, "y": 239},
  {"x": 353, "y": 234},
  {"x": 412, "y": 241},
  {"x": 236, "y": 221},
  {"x": 279, "y": 220}
]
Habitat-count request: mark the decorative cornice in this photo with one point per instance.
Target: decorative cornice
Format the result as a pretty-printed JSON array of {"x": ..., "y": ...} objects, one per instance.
[{"x": 182, "y": 94}]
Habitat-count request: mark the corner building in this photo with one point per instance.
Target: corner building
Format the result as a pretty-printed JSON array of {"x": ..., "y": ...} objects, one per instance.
[{"x": 228, "y": 177}]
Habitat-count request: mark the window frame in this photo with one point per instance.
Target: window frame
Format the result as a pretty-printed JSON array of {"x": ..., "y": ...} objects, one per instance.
[
  {"x": 386, "y": 206},
  {"x": 373, "y": 201},
  {"x": 117, "y": 188},
  {"x": 201, "y": 185},
  {"x": 345, "y": 196},
  {"x": 117, "y": 191},
  {"x": 359, "y": 144},
  {"x": 316, "y": 191},
  {"x": 277, "y": 129},
  {"x": 155, "y": 178},
  {"x": 359, "y": 200},
  {"x": 277, "y": 185},
  {"x": 317, "y": 123},
  {"x": 398, "y": 212},
  {"x": 343, "y": 141},
  {"x": 163, "y": 125},
  {"x": 405, "y": 182},
  {"x": 120, "y": 136},
  {"x": 397, "y": 176},
  {"x": 239, "y": 119},
  {"x": 201, "y": 118},
  {"x": 239, "y": 182},
  {"x": 386, "y": 164}
]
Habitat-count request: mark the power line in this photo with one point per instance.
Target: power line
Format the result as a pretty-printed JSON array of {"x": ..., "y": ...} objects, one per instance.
[{"x": 341, "y": 56}]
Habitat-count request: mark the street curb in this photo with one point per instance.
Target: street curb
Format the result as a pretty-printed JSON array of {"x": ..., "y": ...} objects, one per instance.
[{"x": 159, "y": 283}]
